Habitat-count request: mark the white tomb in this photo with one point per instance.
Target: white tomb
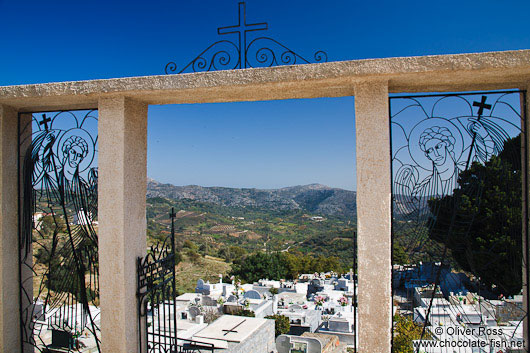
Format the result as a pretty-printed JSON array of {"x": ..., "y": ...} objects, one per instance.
[
  {"x": 231, "y": 328},
  {"x": 288, "y": 344}
]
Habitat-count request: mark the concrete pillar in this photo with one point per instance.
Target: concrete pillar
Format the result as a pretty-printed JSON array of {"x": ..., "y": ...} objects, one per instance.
[
  {"x": 9, "y": 255},
  {"x": 26, "y": 252},
  {"x": 373, "y": 216},
  {"x": 122, "y": 221},
  {"x": 525, "y": 109}
]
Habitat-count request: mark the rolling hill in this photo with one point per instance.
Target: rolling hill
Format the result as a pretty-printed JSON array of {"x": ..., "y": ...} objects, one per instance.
[{"x": 313, "y": 198}]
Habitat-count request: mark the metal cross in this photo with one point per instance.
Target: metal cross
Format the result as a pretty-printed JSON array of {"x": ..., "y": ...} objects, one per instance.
[
  {"x": 481, "y": 106},
  {"x": 172, "y": 214},
  {"x": 232, "y": 330},
  {"x": 242, "y": 28},
  {"x": 45, "y": 121}
]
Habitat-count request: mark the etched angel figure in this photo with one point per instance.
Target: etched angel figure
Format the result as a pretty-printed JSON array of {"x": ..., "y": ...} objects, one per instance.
[{"x": 55, "y": 164}]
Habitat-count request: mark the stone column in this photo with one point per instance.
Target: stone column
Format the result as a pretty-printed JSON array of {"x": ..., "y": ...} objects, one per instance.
[
  {"x": 9, "y": 255},
  {"x": 122, "y": 220},
  {"x": 525, "y": 153},
  {"x": 373, "y": 216},
  {"x": 26, "y": 252}
]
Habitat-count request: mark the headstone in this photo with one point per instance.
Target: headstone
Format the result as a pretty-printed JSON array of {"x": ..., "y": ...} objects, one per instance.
[
  {"x": 252, "y": 294},
  {"x": 232, "y": 299},
  {"x": 314, "y": 286},
  {"x": 38, "y": 311},
  {"x": 232, "y": 309},
  {"x": 227, "y": 289},
  {"x": 208, "y": 301},
  {"x": 298, "y": 344},
  {"x": 339, "y": 325},
  {"x": 200, "y": 286},
  {"x": 295, "y": 307},
  {"x": 194, "y": 312}
]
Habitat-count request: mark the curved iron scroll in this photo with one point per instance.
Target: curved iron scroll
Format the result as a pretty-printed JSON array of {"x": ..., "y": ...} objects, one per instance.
[{"x": 259, "y": 52}]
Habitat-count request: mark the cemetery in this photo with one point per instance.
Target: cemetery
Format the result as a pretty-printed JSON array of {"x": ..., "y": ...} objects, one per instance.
[{"x": 79, "y": 157}]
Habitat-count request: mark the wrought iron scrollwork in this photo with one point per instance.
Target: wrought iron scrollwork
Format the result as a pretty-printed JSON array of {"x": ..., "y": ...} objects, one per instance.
[
  {"x": 259, "y": 52},
  {"x": 59, "y": 268},
  {"x": 264, "y": 51},
  {"x": 457, "y": 186},
  {"x": 157, "y": 307}
]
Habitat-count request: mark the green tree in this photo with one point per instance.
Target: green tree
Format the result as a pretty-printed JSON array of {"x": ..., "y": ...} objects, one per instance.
[
  {"x": 261, "y": 265},
  {"x": 481, "y": 222},
  {"x": 232, "y": 254},
  {"x": 330, "y": 263},
  {"x": 193, "y": 255},
  {"x": 399, "y": 256},
  {"x": 236, "y": 253},
  {"x": 281, "y": 324},
  {"x": 295, "y": 264},
  {"x": 406, "y": 331},
  {"x": 178, "y": 257},
  {"x": 244, "y": 312},
  {"x": 190, "y": 245},
  {"x": 204, "y": 249}
]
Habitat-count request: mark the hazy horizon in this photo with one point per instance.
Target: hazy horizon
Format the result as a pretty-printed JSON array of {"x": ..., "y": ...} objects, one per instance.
[{"x": 247, "y": 187}]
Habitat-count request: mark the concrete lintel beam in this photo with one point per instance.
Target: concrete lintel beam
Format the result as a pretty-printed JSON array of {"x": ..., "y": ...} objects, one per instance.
[{"x": 492, "y": 70}]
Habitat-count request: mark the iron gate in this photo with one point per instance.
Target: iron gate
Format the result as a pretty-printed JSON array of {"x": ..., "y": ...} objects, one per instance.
[
  {"x": 157, "y": 308},
  {"x": 58, "y": 243},
  {"x": 458, "y": 221}
]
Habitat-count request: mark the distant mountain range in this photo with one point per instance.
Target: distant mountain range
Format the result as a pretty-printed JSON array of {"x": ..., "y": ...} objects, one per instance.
[{"x": 313, "y": 198}]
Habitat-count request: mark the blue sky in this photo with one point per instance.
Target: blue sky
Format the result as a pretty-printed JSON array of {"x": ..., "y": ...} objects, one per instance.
[{"x": 262, "y": 144}]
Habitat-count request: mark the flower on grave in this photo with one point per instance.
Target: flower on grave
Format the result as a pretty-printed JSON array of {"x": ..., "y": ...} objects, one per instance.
[
  {"x": 220, "y": 301},
  {"x": 246, "y": 303},
  {"x": 196, "y": 304},
  {"x": 319, "y": 300},
  {"x": 343, "y": 301}
]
